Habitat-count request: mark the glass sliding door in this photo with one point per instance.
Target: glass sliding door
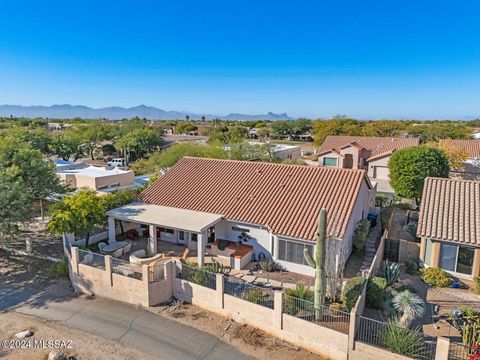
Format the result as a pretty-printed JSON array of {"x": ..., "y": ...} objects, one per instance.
[{"x": 465, "y": 260}]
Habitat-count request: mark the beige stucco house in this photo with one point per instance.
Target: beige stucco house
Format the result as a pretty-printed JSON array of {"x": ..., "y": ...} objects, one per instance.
[
  {"x": 77, "y": 174},
  {"x": 363, "y": 152},
  {"x": 270, "y": 208},
  {"x": 449, "y": 226}
]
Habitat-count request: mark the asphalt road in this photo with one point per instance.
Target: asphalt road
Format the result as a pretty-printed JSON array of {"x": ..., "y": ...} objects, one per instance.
[{"x": 152, "y": 333}]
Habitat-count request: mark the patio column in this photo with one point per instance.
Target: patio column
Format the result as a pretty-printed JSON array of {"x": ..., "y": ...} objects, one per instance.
[
  {"x": 152, "y": 240},
  {"x": 423, "y": 245},
  {"x": 275, "y": 247},
  {"x": 200, "y": 249},
  {"x": 476, "y": 263},
  {"x": 435, "y": 254},
  {"x": 111, "y": 230}
]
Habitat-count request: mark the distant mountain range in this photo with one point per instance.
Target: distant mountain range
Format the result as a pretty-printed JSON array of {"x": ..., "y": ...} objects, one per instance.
[{"x": 116, "y": 113}]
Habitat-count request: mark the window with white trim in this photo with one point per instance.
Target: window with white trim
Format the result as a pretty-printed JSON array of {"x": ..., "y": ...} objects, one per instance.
[{"x": 292, "y": 251}]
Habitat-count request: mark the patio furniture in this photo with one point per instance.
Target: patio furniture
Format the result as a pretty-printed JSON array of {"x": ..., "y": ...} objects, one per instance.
[
  {"x": 87, "y": 259},
  {"x": 101, "y": 245},
  {"x": 127, "y": 248},
  {"x": 139, "y": 253},
  {"x": 118, "y": 253},
  {"x": 111, "y": 248}
]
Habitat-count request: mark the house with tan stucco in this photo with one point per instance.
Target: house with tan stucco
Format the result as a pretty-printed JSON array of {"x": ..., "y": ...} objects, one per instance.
[
  {"x": 363, "y": 152},
  {"x": 449, "y": 226},
  {"x": 243, "y": 211},
  {"x": 99, "y": 178}
]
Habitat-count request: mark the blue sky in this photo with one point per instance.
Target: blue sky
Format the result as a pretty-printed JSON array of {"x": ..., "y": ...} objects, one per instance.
[{"x": 369, "y": 59}]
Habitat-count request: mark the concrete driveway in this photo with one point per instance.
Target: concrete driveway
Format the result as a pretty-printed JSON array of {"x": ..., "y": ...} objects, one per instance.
[{"x": 152, "y": 333}]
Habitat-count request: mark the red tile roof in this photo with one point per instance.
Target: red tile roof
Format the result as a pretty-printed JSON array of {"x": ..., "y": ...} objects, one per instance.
[
  {"x": 377, "y": 145},
  {"x": 450, "y": 210},
  {"x": 471, "y": 147},
  {"x": 285, "y": 198}
]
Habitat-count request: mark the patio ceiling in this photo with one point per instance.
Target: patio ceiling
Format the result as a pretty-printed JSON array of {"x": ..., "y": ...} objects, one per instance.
[{"x": 164, "y": 216}]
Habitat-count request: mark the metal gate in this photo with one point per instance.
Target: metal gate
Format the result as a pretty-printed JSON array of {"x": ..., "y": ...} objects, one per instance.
[{"x": 392, "y": 248}]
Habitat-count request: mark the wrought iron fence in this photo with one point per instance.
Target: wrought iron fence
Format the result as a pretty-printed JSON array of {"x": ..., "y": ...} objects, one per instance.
[
  {"x": 125, "y": 268},
  {"x": 324, "y": 316},
  {"x": 198, "y": 276},
  {"x": 245, "y": 291},
  {"x": 397, "y": 339},
  {"x": 156, "y": 273},
  {"x": 90, "y": 258},
  {"x": 458, "y": 351}
]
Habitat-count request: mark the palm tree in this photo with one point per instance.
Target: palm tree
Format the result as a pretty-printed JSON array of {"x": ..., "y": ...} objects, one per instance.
[{"x": 409, "y": 305}]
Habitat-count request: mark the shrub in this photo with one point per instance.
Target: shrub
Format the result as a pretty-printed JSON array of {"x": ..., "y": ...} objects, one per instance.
[
  {"x": 391, "y": 271},
  {"x": 58, "y": 269},
  {"x": 435, "y": 277},
  {"x": 291, "y": 306},
  {"x": 409, "y": 305},
  {"x": 411, "y": 267},
  {"x": 196, "y": 276},
  {"x": 476, "y": 287},
  {"x": 255, "y": 296},
  {"x": 360, "y": 236},
  {"x": 402, "y": 341},
  {"x": 376, "y": 289},
  {"x": 336, "y": 306},
  {"x": 300, "y": 292},
  {"x": 269, "y": 265},
  {"x": 214, "y": 267},
  {"x": 352, "y": 291}
]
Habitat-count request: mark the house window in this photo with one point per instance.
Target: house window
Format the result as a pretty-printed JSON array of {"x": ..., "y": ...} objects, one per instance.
[
  {"x": 115, "y": 185},
  {"x": 236, "y": 228},
  {"x": 292, "y": 251},
  {"x": 167, "y": 230},
  {"x": 456, "y": 258},
  {"x": 181, "y": 235},
  {"x": 329, "y": 161},
  {"x": 194, "y": 237}
]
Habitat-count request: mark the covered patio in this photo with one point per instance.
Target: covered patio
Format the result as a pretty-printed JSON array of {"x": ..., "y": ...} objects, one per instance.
[{"x": 188, "y": 228}]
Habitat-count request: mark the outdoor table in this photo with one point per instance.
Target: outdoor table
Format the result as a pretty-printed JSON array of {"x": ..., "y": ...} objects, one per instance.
[{"x": 110, "y": 248}]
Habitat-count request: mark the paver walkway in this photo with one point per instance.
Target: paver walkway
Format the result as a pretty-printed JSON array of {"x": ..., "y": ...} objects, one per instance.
[{"x": 370, "y": 248}]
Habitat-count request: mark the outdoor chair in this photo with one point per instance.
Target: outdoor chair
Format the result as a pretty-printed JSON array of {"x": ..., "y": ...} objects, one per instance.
[
  {"x": 101, "y": 245},
  {"x": 127, "y": 248},
  {"x": 118, "y": 253}
]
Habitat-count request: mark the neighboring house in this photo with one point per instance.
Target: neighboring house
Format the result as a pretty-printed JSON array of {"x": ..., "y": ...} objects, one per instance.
[
  {"x": 278, "y": 151},
  {"x": 363, "y": 152},
  {"x": 471, "y": 169},
  {"x": 272, "y": 208},
  {"x": 77, "y": 174},
  {"x": 476, "y": 134},
  {"x": 449, "y": 226}
]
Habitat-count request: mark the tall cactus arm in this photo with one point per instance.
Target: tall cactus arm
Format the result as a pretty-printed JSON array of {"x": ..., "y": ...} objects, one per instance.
[{"x": 309, "y": 259}]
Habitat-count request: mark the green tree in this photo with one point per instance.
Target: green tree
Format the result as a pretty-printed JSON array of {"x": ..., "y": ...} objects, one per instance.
[
  {"x": 185, "y": 128},
  {"x": 162, "y": 161},
  {"x": 78, "y": 214},
  {"x": 67, "y": 146},
  {"x": 13, "y": 198},
  {"x": 93, "y": 135},
  {"x": 409, "y": 167},
  {"x": 139, "y": 142},
  {"x": 37, "y": 175}
]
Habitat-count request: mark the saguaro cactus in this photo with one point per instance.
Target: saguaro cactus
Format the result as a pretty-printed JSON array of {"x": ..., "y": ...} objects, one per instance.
[{"x": 319, "y": 262}]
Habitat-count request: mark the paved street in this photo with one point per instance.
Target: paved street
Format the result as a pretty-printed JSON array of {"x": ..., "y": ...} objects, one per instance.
[{"x": 152, "y": 333}]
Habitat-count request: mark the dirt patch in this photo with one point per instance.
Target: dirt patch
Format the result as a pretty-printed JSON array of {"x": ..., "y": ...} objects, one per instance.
[
  {"x": 248, "y": 339},
  {"x": 83, "y": 346}
]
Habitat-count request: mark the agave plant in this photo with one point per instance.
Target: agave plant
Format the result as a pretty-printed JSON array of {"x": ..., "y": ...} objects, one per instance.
[
  {"x": 409, "y": 305},
  {"x": 391, "y": 271}
]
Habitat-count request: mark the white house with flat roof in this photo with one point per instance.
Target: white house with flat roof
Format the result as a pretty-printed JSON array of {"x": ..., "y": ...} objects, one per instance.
[{"x": 77, "y": 174}]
